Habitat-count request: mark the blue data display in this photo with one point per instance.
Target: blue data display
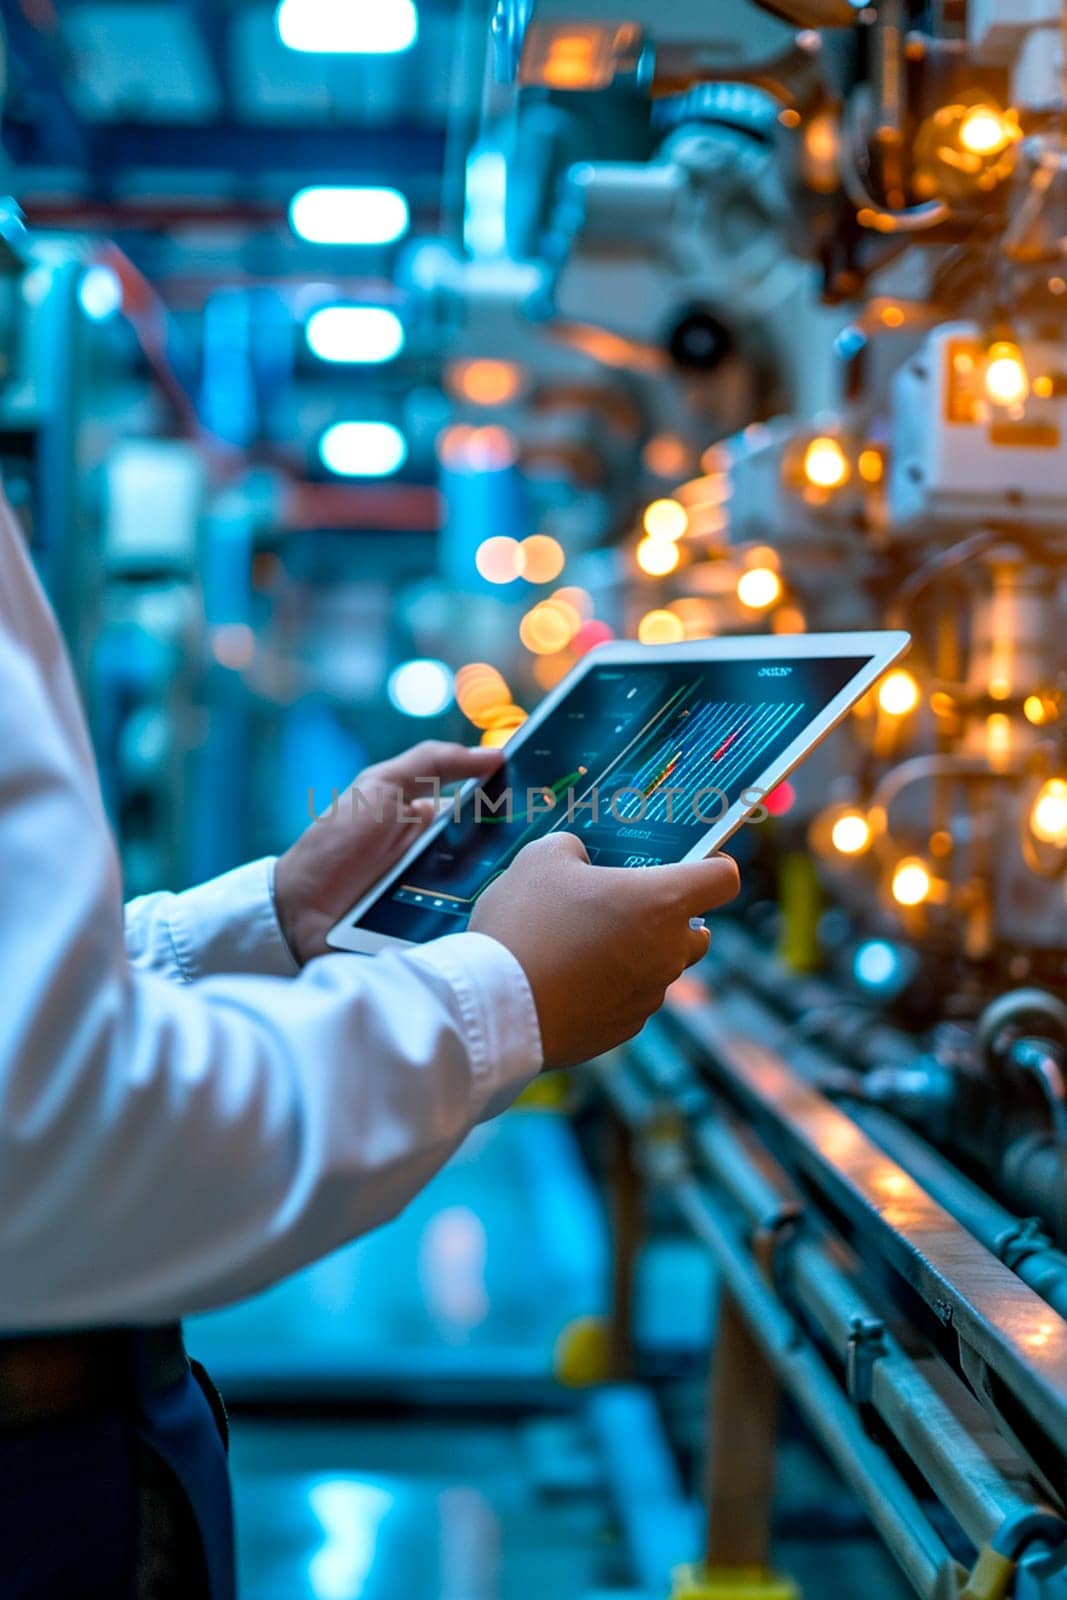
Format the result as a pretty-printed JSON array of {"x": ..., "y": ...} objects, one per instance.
[{"x": 638, "y": 760}]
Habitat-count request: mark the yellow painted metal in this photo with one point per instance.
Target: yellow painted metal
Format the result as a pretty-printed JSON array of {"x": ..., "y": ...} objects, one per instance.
[
  {"x": 991, "y": 1578},
  {"x": 731, "y": 1583},
  {"x": 583, "y": 1353}
]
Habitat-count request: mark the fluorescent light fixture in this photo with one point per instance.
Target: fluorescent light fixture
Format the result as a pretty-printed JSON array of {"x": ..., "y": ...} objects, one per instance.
[
  {"x": 355, "y": 333},
  {"x": 422, "y": 688},
  {"x": 100, "y": 292},
  {"x": 336, "y": 215},
  {"x": 347, "y": 27},
  {"x": 484, "y": 231},
  {"x": 363, "y": 449}
]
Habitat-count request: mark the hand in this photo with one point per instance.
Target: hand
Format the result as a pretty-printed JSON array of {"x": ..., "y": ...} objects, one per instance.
[
  {"x": 599, "y": 945},
  {"x": 337, "y": 859}
]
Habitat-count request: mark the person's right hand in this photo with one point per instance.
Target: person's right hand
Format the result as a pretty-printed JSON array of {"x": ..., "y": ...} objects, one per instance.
[{"x": 599, "y": 945}]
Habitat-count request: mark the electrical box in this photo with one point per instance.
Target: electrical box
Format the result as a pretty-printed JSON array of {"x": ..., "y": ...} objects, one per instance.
[
  {"x": 960, "y": 460},
  {"x": 155, "y": 492}
]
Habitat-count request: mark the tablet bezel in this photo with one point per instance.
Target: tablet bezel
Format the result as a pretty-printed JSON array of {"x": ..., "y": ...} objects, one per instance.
[{"x": 884, "y": 649}]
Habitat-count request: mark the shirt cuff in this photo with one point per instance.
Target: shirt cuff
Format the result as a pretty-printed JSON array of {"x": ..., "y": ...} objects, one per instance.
[
  {"x": 229, "y": 924},
  {"x": 498, "y": 1012}
]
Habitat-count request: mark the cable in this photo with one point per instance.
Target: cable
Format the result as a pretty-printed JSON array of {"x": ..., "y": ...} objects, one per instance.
[
  {"x": 936, "y": 566},
  {"x": 913, "y": 219}
]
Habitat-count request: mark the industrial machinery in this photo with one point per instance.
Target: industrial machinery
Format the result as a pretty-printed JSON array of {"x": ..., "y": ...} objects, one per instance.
[
  {"x": 836, "y": 237},
  {"x": 744, "y": 316}
]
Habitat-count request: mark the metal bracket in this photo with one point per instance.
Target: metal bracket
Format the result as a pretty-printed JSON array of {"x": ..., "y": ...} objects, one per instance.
[
  {"x": 772, "y": 1246},
  {"x": 1028, "y": 1238},
  {"x": 866, "y": 1345}
]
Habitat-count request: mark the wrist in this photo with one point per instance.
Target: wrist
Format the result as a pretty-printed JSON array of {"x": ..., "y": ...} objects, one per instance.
[
  {"x": 535, "y": 988},
  {"x": 287, "y": 910}
]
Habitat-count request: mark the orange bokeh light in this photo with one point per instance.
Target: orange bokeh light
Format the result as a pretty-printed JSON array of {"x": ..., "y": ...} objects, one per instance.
[
  {"x": 486, "y": 382},
  {"x": 481, "y": 694},
  {"x": 660, "y": 627},
  {"x": 657, "y": 557},
  {"x": 500, "y": 559},
  {"x": 543, "y": 558},
  {"x": 548, "y": 627}
]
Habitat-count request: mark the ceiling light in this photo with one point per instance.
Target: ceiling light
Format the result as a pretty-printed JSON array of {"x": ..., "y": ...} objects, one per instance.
[
  {"x": 100, "y": 292},
  {"x": 421, "y": 688},
  {"x": 355, "y": 333},
  {"x": 341, "y": 215},
  {"x": 485, "y": 204},
  {"x": 347, "y": 27},
  {"x": 363, "y": 449}
]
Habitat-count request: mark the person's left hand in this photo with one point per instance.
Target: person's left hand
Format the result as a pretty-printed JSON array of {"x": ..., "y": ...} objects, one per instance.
[{"x": 337, "y": 859}]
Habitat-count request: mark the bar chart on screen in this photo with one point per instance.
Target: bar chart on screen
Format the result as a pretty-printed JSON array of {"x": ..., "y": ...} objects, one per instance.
[{"x": 713, "y": 745}]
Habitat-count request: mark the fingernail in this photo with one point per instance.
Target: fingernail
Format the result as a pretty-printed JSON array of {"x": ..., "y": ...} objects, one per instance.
[{"x": 697, "y": 922}]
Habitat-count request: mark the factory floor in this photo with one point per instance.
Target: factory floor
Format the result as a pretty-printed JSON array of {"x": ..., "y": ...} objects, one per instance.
[
  {"x": 427, "y": 1510},
  {"x": 397, "y": 1433}
]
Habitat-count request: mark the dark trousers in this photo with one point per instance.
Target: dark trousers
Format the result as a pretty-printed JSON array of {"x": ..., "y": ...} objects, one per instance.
[{"x": 126, "y": 1500}]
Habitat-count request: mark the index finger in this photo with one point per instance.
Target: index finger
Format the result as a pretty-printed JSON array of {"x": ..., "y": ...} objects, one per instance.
[{"x": 437, "y": 760}]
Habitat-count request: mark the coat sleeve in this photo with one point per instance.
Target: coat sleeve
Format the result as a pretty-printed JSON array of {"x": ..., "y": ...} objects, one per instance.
[
  {"x": 169, "y": 1146},
  {"x": 225, "y": 925}
]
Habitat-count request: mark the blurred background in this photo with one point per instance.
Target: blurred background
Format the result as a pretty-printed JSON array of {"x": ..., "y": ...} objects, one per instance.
[{"x": 362, "y": 367}]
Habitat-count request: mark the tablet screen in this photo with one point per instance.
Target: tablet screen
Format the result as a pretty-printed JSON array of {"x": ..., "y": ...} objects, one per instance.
[{"x": 639, "y": 760}]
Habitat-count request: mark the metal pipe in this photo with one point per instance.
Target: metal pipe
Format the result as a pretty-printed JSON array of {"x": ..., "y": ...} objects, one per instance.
[
  {"x": 983, "y": 1489},
  {"x": 982, "y": 1493},
  {"x": 846, "y": 1026},
  {"x": 1029, "y": 1170},
  {"x": 890, "y": 1504},
  {"x": 992, "y": 1311},
  {"x": 982, "y": 1482},
  {"x": 1017, "y": 1242}
]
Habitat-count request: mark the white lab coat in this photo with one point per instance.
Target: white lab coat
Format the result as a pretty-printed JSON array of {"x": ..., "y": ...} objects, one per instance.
[{"x": 183, "y": 1118}]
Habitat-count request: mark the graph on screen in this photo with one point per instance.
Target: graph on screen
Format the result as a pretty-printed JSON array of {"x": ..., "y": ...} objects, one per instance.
[
  {"x": 638, "y": 759},
  {"x": 711, "y": 745}
]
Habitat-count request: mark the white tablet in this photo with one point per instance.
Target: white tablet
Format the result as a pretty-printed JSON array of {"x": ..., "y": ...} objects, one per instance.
[{"x": 649, "y": 753}]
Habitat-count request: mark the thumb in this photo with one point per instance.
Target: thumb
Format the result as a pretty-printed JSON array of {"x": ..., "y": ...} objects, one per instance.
[
  {"x": 699, "y": 886},
  {"x": 697, "y": 944}
]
